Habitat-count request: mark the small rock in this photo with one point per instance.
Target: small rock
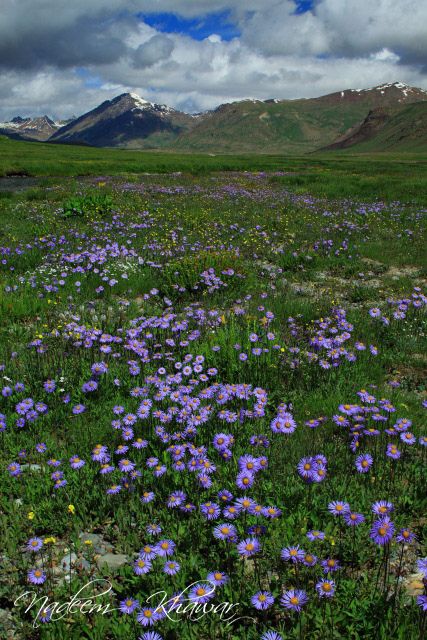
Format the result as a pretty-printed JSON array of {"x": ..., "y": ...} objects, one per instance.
[
  {"x": 112, "y": 560},
  {"x": 414, "y": 584},
  {"x": 31, "y": 467}
]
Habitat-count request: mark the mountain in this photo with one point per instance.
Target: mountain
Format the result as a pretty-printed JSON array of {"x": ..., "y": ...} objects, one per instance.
[
  {"x": 393, "y": 129},
  {"x": 291, "y": 126},
  {"x": 126, "y": 121},
  {"x": 340, "y": 120},
  {"x": 41, "y": 128}
]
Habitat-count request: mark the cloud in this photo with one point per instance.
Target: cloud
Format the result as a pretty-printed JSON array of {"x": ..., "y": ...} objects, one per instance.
[
  {"x": 157, "y": 48},
  {"x": 64, "y": 57}
]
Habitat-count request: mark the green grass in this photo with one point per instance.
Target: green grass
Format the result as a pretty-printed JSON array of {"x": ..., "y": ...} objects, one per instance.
[{"x": 265, "y": 240}]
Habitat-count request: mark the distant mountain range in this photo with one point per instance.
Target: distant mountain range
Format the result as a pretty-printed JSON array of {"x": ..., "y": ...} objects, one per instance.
[{"x": 390, "y": 116}]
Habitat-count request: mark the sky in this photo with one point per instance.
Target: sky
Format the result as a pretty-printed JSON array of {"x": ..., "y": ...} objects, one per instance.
[{"x": 64, "y": 57}]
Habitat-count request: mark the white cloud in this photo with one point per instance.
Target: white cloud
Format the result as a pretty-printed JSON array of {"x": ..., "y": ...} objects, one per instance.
[{"x": 340, "y": 44}]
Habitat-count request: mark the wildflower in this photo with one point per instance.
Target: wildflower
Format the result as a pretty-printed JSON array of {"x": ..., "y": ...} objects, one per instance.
[
  {"x": 353, "y": 519},
  {"x": 201, "y": 593},
  {"x": 171, "y": 568},
  {"x": 315, "y": 535},
  {"x": 262, "y": 600},
  {"x": 34, "y": 544},
  {"x": 248, "y": 547},
  {"x": 382, "y": 531},
  {"x": 271, "y": 635},
  {"x": 148, "y": 616},
  {"x": 128, "y": 606},
  {"x": 338, "y": 508},
  {"x": 217, "y": 577},
  {"x": 330, "y": 565},
  {"x": 165, "y": 548},
  {"x": 294, "y": 599},
  {"x": 405, "y": 536},
  {"x": 382, "y": 507},
  {"x": 293, "y": 554},
  {"x": 141, "y": 566},
  {"x": 36, "y": 576},
  {"x": 363, "y": 463},
  {"x": 325, "y": 588}
]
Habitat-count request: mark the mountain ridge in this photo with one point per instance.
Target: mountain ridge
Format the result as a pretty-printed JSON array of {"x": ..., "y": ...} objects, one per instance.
[{"x": 336, "y": 120}]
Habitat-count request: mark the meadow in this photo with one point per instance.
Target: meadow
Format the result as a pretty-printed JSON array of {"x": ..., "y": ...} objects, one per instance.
[{"x": 213, "y": 386}]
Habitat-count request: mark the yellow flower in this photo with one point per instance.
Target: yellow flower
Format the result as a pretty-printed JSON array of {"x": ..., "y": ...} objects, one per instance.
[
  {"x": 88, "y": 542},
  {"x": 50, "y": 540},
  {"x": 31, "y": 515},
  {"x": 71, "y": 509}
]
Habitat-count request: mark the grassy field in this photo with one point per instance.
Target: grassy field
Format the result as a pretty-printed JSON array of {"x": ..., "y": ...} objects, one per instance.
[
  {"x": 380, "y": 176},
  {"x": 214, "y": 386}
]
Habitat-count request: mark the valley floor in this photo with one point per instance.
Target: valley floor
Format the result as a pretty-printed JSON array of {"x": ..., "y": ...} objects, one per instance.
[{"x": 213, "y": 384}]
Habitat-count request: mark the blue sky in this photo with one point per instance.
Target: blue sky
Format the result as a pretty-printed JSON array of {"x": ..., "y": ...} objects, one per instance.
[
  {"x": 197, "y": 28},
  {"x": 220, "y": 23}
]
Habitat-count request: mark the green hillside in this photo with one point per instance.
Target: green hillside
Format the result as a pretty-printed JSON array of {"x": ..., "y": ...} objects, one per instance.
[
  {"x": 405, "y": 130},
  {"x": 297, "y": 126}
]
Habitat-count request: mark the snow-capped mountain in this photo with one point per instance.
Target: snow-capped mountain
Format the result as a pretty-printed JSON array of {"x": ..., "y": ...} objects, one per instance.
[
  {"x": 127, "y": 120},
  {"x": 40, "y": 128}
]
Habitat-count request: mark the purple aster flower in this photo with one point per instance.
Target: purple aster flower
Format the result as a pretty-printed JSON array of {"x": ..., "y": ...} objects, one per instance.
[
  {"x": 114, "y": 489},
  {"x": 408, "y": 438},
  {"x": 148, "y": 616},
  {"x": 151, "y": 635},
  {"x": 422, "y": 602},
  {"x": 45, "y": 615},
  {"x": 126, "y": 465},
  {"x": 141, "y": 566},
  {"x": 393, "y": 452},
  {"x": 382, "y": 507},
  {"x": 248, "y": 547},
  {"x": 49, "y": 386},
  {"x": 353, "y": 519},
  {"x": 147, "y": 497},
  {"x": 14, "y": 469},
  {"x": 218, "y": 578},
  {"x": 129, "y": 605},
  {"x": 165, "y": 548},
  {"x": 338, "y": 508},
  {"x": 245, "y": 480},
  {"x": 382, "y": 531},
  {"x": 88, "y": 387},
  {"x": 78, "y": 408},
  {"x": 314, "y": 534},
  {"x": 363, "y": 462},
  {"x": 293, "y": 554},
  {"x": 76, "y": 462},
  {"x": 271, "y": 635},
  {"x": 262, "y": 600},
  {"x": 34, "y": 544},
  {"x": 36, "y": 576},
  {"x": 148, "y": 552},
  {"x": 224, "y": 531},
  {"x": 210, "y": 510},
  {"x": 171, "y": 567},
  {"x": 202, "y": 593},
  {"x": 325, "y": 588},
  {"x": 330, "y": 565},
  {"x": 294, "y": 599},
  {"x": 309, "y": 560},
  {"x": 405, "y": 536}
]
